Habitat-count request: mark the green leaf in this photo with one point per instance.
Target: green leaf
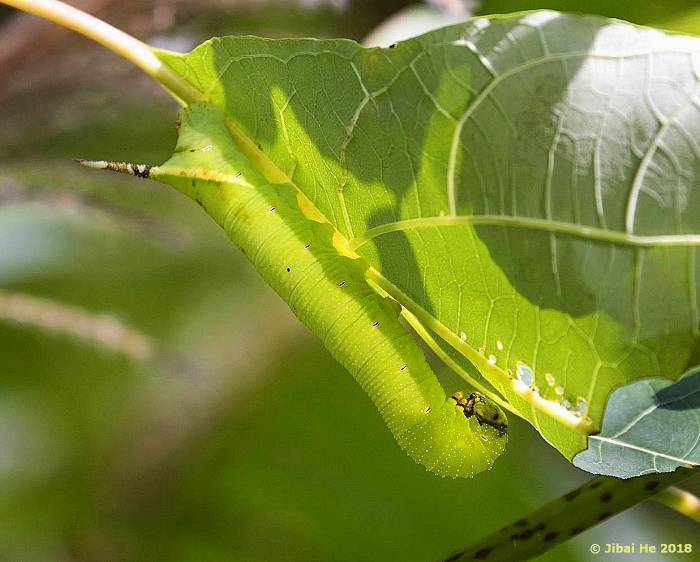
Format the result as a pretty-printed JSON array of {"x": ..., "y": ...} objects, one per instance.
[
  {"x": 523, "y": 185},
  {"x": 649, "y": 426}
]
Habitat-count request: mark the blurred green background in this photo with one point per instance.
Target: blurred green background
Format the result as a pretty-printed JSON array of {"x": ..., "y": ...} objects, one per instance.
[{"x": 154, "y": 393}]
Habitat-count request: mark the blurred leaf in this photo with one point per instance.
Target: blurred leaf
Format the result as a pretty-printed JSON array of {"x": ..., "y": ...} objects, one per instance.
[{"x": 638, "y": 11}]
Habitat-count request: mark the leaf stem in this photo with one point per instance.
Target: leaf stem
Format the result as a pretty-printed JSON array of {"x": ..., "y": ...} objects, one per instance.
[
  {"x": 596, "y": 501},
  {"x": 121, "y": 43},
  {"x": 434, "y": 346},
  {"x": 681, "y": 501}
]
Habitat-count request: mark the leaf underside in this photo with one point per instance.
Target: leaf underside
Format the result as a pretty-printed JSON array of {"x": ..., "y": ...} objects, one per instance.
[
  {"x": 526, "y": 183},
  {"x": 650, "y": 426}
]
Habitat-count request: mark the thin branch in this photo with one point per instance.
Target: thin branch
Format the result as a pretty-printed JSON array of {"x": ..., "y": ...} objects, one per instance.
[
  {"x": 102, "y": 330},
  {"x": 681, "y": 501},
  {"x": 575, "y": 512},
  {"x": 51, "y": 316}
]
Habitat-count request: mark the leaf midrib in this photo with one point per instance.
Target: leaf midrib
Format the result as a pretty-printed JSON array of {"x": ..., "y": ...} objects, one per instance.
[
  {"x": 531, "y": 223},
  {"x": 653, "y": 454}
]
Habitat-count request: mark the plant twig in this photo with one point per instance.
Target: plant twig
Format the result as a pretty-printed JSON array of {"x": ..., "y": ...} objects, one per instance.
[
  {"x": 59, "y": 318},
  {"x": 681, "y": 501},
  {"x": 114, "y": 39},
  {"x": 575, "y": 512}
]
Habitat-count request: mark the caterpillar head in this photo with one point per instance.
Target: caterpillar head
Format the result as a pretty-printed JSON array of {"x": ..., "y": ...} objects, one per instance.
[{"x": 486, "y": 411}]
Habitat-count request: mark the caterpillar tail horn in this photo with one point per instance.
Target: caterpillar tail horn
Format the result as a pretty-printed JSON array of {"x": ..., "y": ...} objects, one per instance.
[{"x": 138, "y": 170}]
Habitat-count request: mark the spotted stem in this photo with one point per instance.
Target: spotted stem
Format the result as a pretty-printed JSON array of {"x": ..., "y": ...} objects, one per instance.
[{"x": 575, "y": 512}]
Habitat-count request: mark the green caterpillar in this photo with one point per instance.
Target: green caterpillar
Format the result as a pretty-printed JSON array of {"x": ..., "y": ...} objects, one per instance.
[{"x": 298, "y": 256}]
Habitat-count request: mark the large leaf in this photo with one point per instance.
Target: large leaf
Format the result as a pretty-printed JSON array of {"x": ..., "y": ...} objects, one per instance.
[{"x": 524, "y": 185}]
